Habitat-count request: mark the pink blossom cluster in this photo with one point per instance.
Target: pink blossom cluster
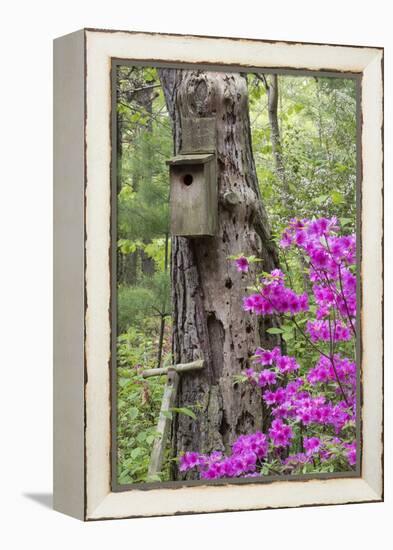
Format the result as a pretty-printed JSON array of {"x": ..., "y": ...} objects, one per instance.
[
  {"x": 312, "y": 408},
  {"x": 275, "y": 297},
  {"x": 326, "y": 330},
  {"x": 339, "y": 293},
  {"x": 330, "y": 258},
  {"x": 327, "y": 370},
  {"x": 282, "y": 364},
  {"x": 322, "y": 448},
  {"x": 351, "y": 452},
  {"x": 280, "y": 433},
  {"x": 293, "y": 402},
  {"x": 320, "y": 241},
  {"x": 311, "y": 445},
  {"x": 247, "y": 452}
]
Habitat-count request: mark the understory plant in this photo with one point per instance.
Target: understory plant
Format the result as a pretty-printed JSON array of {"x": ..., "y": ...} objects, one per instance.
[
  {"x": 308, "y": 385},
  {"x": 139, "y": 400}
]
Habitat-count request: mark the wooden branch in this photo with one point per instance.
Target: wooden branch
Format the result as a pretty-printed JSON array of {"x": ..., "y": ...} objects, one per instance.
[
  {"x": 168, "y": 400},
  {"x": 181, "y": 367},
  {"x": 164, "y": 423},
  {"x": 141, "y": 89},
  {"x": 262, "y": 77}
]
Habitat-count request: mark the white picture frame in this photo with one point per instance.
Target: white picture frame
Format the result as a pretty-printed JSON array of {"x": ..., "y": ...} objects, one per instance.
[{"x": 82, "y": 336}]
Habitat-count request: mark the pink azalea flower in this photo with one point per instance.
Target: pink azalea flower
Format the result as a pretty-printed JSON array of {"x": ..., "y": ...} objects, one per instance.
[
  {"x": 242, "y": 264},
  {"x": 280, "y": 433},
  {"x": 351, "y": 453},
  {"x": 311, "y": 445},
  {"x": 266, "y": 378}
]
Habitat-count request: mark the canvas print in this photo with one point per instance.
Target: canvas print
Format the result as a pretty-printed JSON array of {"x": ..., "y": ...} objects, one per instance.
[{"x": 237, "y": 327}]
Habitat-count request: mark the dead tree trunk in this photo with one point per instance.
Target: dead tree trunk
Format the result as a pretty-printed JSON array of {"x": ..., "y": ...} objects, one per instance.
[{"x": 208, "y": 318}]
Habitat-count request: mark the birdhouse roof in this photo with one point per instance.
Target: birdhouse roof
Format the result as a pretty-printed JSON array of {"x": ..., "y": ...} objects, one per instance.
[{"x": 195, "y": 158}]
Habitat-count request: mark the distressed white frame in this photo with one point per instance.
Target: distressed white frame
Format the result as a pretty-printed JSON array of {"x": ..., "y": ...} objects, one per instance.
[{"x": 98, "y": 499}]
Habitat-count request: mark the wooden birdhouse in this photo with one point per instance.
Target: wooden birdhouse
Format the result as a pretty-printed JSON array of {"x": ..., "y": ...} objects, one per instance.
[
  {"x": 193, "y": 195},
  {"x": 193, "y": 181}
]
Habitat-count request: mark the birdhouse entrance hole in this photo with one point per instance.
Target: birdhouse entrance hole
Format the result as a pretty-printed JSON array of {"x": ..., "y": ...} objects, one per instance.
[{"x": 188, "y": 179}]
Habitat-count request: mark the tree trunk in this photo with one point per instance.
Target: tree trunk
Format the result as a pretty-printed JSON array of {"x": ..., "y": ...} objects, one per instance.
[
  {"x": 164, "y": 306},
  {"x": 145, "y": 98},
  {"x": 128, "y": 271},
  {"x": 272, "y": 95},
  {"x": 272, "y": 89},
  {"x": 147, "y": 264},
  {"x": 207, "y": 291}
]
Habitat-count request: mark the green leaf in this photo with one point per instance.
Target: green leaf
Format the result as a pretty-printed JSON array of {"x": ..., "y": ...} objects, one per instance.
[
  {"x": 302, "y": 321},
  {"x": 239, "y": 379},
  {"x": 141, "y": 437},
  {"x": 135, "y": 117},
  {"x": 275, "y": 330},
  {"x": 337, "y": 197},
  {"x": 298, "y": 107},
  {"x": 133, "y": 413},
  {"x": 320, "y": 199},
  {"x": 135, "y": 453},
  {"x": 184, "y": 410}
]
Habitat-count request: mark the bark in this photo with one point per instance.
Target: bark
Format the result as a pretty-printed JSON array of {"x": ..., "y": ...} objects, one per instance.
[{"x": 208, "y": 318}]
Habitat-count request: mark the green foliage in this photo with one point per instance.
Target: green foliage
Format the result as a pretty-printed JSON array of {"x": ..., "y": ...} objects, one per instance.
[
  {"x": 317, "y": 122},
  {"x": 143, "y": 308},
  {"x": 140, "y": 302},
  {"x": 156, "y": 250},
  {"x": 139, "y": 402},
  {"x": 134, "y": 305}
]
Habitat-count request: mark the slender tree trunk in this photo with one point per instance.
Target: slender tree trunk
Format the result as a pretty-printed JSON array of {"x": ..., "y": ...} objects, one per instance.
[
  {"x": 272, "y": 89},
  {"x": 273, "y": 96},
  {"x": 129, "y": 268},
  {"x": 147, "y": 263},
  {"x": 145, "y": 98},
  {"x": 208, "y": 318},
  {"x": 164, "y": 306}
]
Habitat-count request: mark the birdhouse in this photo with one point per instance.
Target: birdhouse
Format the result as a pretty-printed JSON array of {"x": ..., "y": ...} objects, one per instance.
[
  {"x": 193, "y": 194},
  {"x": 193, "y": 180}
]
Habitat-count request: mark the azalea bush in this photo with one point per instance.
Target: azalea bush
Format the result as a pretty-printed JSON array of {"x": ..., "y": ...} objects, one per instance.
[{"x": 308, "y": 384}]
